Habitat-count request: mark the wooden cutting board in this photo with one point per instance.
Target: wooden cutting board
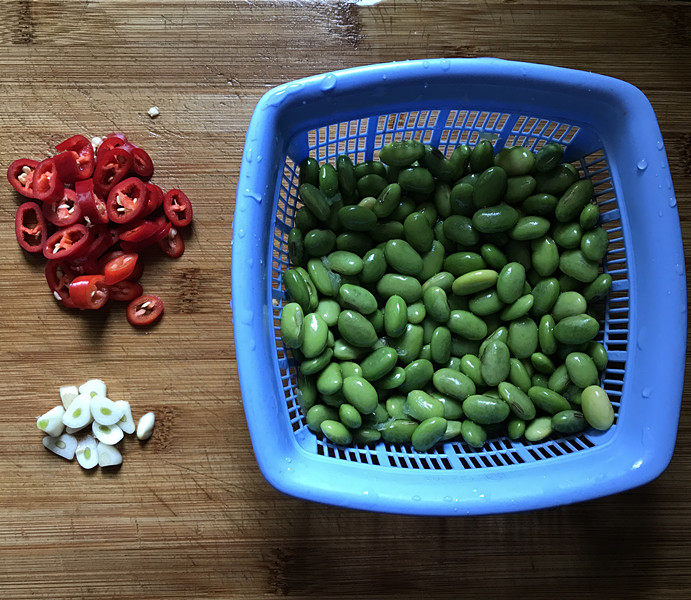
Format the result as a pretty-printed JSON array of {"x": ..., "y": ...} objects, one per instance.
[{"x": 188, "y": 515}]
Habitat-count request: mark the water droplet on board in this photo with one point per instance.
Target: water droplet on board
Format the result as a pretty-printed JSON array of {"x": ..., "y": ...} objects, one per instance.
[
  {"x": 642, "y": 164},
  {"x": 646, "y": 392},
  {"x": 672, "y": 201},
  {"x": 660, "y": 145},
  {"x": 328, "y": 82}
]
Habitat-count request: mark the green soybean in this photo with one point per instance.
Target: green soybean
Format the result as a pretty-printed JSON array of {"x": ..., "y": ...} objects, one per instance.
[
  {"x": 576, "y": 329},
  {"x": 581, "y": 369},
  {"x": 540, "y": 205},
  {"x": 345, "y": 263},
  {"x": 371, "y": 184},
  {"x": 318, "y": 414},
  {"x": 518, "y": 309},
  {"x": 529, "y": 228},
  {"x": 395, "y": 406},
  {"x": 474, "y": 281},
  {"x": 417, "y": 180},
  {"x": 539, "y": 429},
  {"x": 522, "y": 340},
  {"x": 440, "y": 345},
  {"x": 589, "y": 217},
  {"x": 598, "y": 288},
  {"x": 594, "y": 244},
  {"x": 342, "y": 350},
  {"x": 462, "y": 322},
  {"x": 576, "y": 265},
  {"x": 515, "y": 429},
  {"x": 398, "y": 431},
  {"x": 356, "y": 329},
  {"x": 395, "y": 316},
  {"x": 402, "y": 257},
  {"x": 471, "y": 366},
  {"x": 545, "y": 256},
  {"x": 519, "y": 188},
  {"x": 573, "y": 201},
  {"x": 409, "y": 345},
  {"x": 360, "y": 393},
  {"x": 567, "y": 235},
  {"x": 510, "y": 282},
  {"x": 495, "y": 219},
  {"x": 542, "y": 363},
  {"x": 557, "y": 180},
  {"x": 432, "y": 261},
  {"x": 518, "y": 401},
  {"x": 481, "y": 156},
  {"x": 545, "y": 334},
  {"x": 485, "y": 303},
  {"x": 461, "y": 199},
  {"x": 473, "y": 434},
  {"x": 598, "y": 354},
  {"x": 489, "y": 187},
  {"x": 392, "y": 380},
  {"x": 485, "y": 410},
  {"x": 314, "y": 199},
  {"x": 597, "y": 408},
  {"x": 402, "y": 153},
  {"x": 548, "y": 157},
  {"x": 495, "y": 362},
  {"x": 569, "y": 422},
  {"x": 416, "y": 313},
  {"x": 336, "y": 432},
  {"x": 330, "y": 379},
  {"x": 292, "y": 330},
  {"x": 459, "y": 229},
  {"x": 405, "y": 286},
  {"x": 559, "y": 380},
  {"x": 545, "y": 294},
  {"x": 453, "y": 384},
  {"x": 548, "y": 400},
  {"x": 378, "y": 363},
  {"x": 493, "y": 256},
  {"x": 428, "y": 433},
  {"x": 519, "y": 375},
  {"x": 420, "y": 405},
  {"x": 417, "y": 374}
]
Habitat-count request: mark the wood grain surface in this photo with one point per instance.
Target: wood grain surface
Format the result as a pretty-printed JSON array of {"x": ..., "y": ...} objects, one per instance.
[{"x": 189, "y": 515}]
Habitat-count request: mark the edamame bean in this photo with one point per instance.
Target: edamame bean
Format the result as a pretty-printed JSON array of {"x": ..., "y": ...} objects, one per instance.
[
  {"x": 371, "y": 184},
  {"x": 440, "y": 345},
  {"x": 328, "y": 180},
  {"x": 495, "y": 219},
  {"x": 325, "y": 280},
  {"x": 453, "y": 384},
  {"x": 519, "y": 188},
  {"x": 594, "y": 244},
  {"x": 489, "y": 187},
  {"x": 402, "y": 153},
  {"x": 485, "y": 303},
  {"x": 344, "y": 351},
  {"x": 598, "y": 288},
  {"x": 545, "y": 293},
  {"x": 347, "y": 183},
  {"x": 569, "y": 304},
  {"x": 316, "y": 364},
  {"x": 510, "y": 282},
  {"x": 569, "y": 422},
  {"x": 395, "y": 316},
  {"x": 366, "y": 435},
  {"x": 314, "y": 199},
  {"x": 395, "y": 406},
  {"x": 542, "y": 363},
  {"x": 360, "y": 393},
  {"x": 462, "y": 322},
  {"x": 336, "y": 432},
  {"x": 357, "y": 218},
  {"x": 315, "y": 332},
  {"x": 309, "y": 171},
  {"x": 471, "y": 366},
  {"x": 557, "y": 180},
  {"x": 576, "y": 265},
  {"x": 296, "y": 288},
  {"x": 402, "y": 257},
  {"x": 522, "y": 340},
  {"x": 519, "y": 375},
  {"x": 495, "y": 362},
  {"x": 461, "y": 199},
  {"x": 356, "y": 329},
  {"x": 473, "y": 434},
  {"x": 567, "y": 235},
  {"x": 379, "y": 363},
  {"x": 573, "y": 201},
  {"x": 539, "y": 380},
  {"x": 515, "y": 429},
  {"x": 318, "y": 414},
  {"x": 518, "y": 401},
  {"x": 576, "y": 329},
  {"x": 548, "y": 400},
  {"x": 349, "y": 368},
  {"x": 432, "y": 261},
  {"x": 345, "y": 263},
  {"x": 589, "y": 217},
  {"x": 416, "y": 313},
  {"x": 349, "y": 416},
  {"x": 417, "y": 375},
  {"x": 409, "y": 345},
  {"x": 481, "y": 156},
  {"x": 357, "y": 298},
  {"x": 539, "y": 429},
  {"x": 428, "y": 433},
  {"x": 581, "y": 369},
  {"x": 306, "y": 392},
  {"x": 351, "y": 241},
  {"x": 420, "y": 405},
  {"x": 373, "y": 266},
  {"x": 459, "y": 229},
  {"x": 597, "y": 352},
  {"x": 559, "y": 380},
  {"x": 330, "y": 380},
  {"x": 493, "y": 256},
  {"x": 296, "y": 246},
  {"x": 548, "y": 157},
  {"x": 545, "y": 256},
  {"x": 516, "y": 160},
  {"x": 416, "y": 181},
  {"x": 460, "y": 263},
  {"x": 485, "y": 410},
  {"x": 529, "y": 228},
  {"x": 292, "y": 330},
  {"x": 392, "y": 380},
  {"x": 398, "y": 431},
  {"x": 329, "y": 311},
  {"x": 518, "y": 309},
  {"x": 453, "y": 430},
  {"x": 597, "y": 408},
  {"x": 540, "y": 205},
  {"x": 474, "y": 281},
  {"x": 405, "y": 286}
]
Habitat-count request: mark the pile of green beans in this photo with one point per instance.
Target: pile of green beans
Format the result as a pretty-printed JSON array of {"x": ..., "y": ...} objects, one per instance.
[{"x": 437, "y": 297}]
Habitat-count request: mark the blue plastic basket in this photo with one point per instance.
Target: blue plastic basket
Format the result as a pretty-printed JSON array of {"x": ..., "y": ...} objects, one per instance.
[{"x": 610, "y": 132}]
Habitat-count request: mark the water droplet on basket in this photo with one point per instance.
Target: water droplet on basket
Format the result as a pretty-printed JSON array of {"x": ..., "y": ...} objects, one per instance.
[
  {"x": 245, "y": 316},
  {"x": 240, "y": 233},
  {"x": 642, "y": 164},
  {"x": 277, "y": 97},
  {"x": 416, "y": 498},
  {"x": 660, "y": 145},
  {"x": 672, "y": 201},
  {"x": 669, "y": 184},
  {"x": 288, "y": 459},
  {"x": 659, "y": 213},
  {"x": 259, "y": 158},
  {"x": 445, "y": 66},
  {"x": 448, "y": 498},
  {"x": 646, "y": 392},
  {"x": 383, "y": 77},
  {"x": 248, "y": 155},
  {"x": 425, "y": 64},
  {"x": 328, "y": 82},
  {"x": 680, "y": 268}
]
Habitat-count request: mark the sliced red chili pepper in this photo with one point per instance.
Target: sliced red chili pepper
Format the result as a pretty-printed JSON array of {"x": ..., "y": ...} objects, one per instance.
[
  {"x": 102, "y": 238},
  {"x": 120, "y": 268},
  {"x": 172, "y": 245},
  {"x": 144, "y": 310},
  {"x": 30, "y": 227},
  {"x": 92, "y": 207},
  {"x": 20, "y": 174},
  {"x": 126, "y": 200},
  {"x": 162, "y": 231},
  {"x": 112, "y": 140},
  {"x": 59, "y": 276},
  {"x": 139, "y": 231},
  {"x": 46, "y": 184},
  {"x": 142, "y": 164},
  {"x": 154, "y": 199},
  {"x": 111, "y": 167},
  {"x": 125, "y": 291},
  {"x": 70, "y": 242},
  {"x": 63, "y": 212},
  {"x": 85, "y": 154},
  {"x": 178, "y": 208},
  {"x": 108, "y": 256},
  {"x": 66, "y": 165},
  {"x": 89, "y": 291}
]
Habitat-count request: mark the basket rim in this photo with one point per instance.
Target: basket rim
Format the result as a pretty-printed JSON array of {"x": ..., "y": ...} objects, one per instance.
[{"x": 291, "y": 469}]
